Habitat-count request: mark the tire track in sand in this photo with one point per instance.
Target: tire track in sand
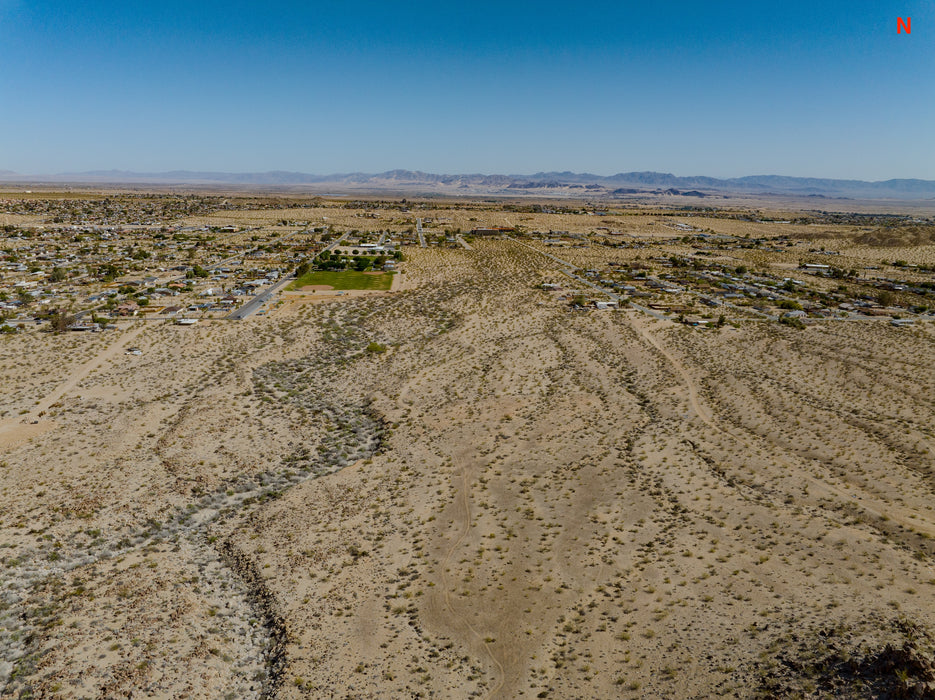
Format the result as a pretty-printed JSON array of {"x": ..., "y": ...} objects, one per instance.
[
  {"x": 709, "y": 420},
  {"x": 14, "y": 430},
  {"x": 467, "y": 521}
]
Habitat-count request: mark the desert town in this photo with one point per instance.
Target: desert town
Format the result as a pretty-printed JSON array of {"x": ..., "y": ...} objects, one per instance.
[
  {"x": 72, "y": 258},
  {"x": 285, "y": 446}
]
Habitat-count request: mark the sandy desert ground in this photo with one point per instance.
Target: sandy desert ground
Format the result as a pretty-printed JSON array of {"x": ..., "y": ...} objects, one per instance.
[{"x": 511, "y": 501}]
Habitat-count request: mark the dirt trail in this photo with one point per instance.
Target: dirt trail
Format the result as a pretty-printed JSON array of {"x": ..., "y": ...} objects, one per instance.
[
  {"x": 464, "y": 515},
  {"x": 28, "y": 425},
  {"x": 86, "y": 369},
  {"x": 700, "y": 411},
  {"x": 820, "y": 486}
]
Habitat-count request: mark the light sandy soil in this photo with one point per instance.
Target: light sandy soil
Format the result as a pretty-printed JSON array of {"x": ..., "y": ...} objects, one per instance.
[
  {"x": 19, "y": 219},
  {"x": 511, "y": 501}
]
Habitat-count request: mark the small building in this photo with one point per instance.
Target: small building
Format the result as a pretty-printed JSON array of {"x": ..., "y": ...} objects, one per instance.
[{"x": 128, "y": 308}]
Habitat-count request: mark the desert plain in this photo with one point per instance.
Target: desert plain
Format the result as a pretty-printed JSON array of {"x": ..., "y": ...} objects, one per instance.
[{"x": 472, "y": 486}]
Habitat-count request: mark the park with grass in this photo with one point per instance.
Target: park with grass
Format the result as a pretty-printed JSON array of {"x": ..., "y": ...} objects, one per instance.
[{"x": 344, "y": 279}]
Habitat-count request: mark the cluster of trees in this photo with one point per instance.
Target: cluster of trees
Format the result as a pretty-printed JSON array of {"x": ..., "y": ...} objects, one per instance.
[
  {"x": 108, "y": 273},
  {"x": 328, "y": 261}
]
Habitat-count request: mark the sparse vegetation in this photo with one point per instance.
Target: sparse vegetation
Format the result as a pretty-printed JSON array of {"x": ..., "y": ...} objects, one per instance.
[{"x": 464, "y": 488}]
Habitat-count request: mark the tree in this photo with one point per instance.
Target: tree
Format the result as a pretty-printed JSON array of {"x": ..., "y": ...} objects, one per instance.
[
  {"x": 60, "y": 321},
  {"x": 108, "y": 273},
  {"x": 58, "y": 275}
]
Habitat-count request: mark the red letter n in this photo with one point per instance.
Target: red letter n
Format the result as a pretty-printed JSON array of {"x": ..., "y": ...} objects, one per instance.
[{"x": 907, "y": 25}]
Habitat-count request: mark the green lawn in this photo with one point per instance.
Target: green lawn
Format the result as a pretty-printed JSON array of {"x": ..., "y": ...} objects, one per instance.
[{"x": 344, "y": 280}]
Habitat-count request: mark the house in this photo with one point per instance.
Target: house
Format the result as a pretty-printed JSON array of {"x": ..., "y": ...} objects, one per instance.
[{"x": 128, "y": 308}]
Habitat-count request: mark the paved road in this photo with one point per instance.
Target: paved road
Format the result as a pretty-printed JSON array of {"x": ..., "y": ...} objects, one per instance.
[
  {"x": 651, "y": 312},
  {"x": 589, "y": 283},
  {"x": 463, "y": 242},
  {"x": 254, "y": 304},
  {"x": 419, "y": 231},
  {"x": 260, "y": 299},
  {"x": 335, "y": 242},
  {"x": 542, "y": 252}
]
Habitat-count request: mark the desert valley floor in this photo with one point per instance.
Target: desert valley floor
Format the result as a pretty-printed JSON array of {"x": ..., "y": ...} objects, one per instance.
[{"x": 512, "y": 500}]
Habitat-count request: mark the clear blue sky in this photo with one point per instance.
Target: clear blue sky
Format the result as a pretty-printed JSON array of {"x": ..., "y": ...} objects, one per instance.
[{"x": 722, "y": 88}]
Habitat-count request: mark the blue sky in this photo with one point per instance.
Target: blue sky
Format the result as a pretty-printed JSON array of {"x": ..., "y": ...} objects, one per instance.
[{"x": 716, "y": 88}]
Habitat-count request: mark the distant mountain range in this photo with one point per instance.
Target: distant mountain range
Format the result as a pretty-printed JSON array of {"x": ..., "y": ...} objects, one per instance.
[{"x": 551, "y": 183}]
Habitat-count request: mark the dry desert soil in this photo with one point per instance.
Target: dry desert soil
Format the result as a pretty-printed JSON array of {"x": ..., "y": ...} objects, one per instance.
[{"x": 511, "y": 501}]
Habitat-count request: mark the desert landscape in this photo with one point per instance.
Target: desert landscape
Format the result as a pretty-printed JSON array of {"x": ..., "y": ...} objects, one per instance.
[{"x": 574, "y": 450}]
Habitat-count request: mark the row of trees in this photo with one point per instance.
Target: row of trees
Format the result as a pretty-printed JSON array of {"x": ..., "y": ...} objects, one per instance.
[{"x": 329, "y": 261}]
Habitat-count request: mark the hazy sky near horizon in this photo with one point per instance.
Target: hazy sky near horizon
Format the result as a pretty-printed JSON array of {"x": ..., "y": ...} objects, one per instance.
[{"x": 717, "y": 88}]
